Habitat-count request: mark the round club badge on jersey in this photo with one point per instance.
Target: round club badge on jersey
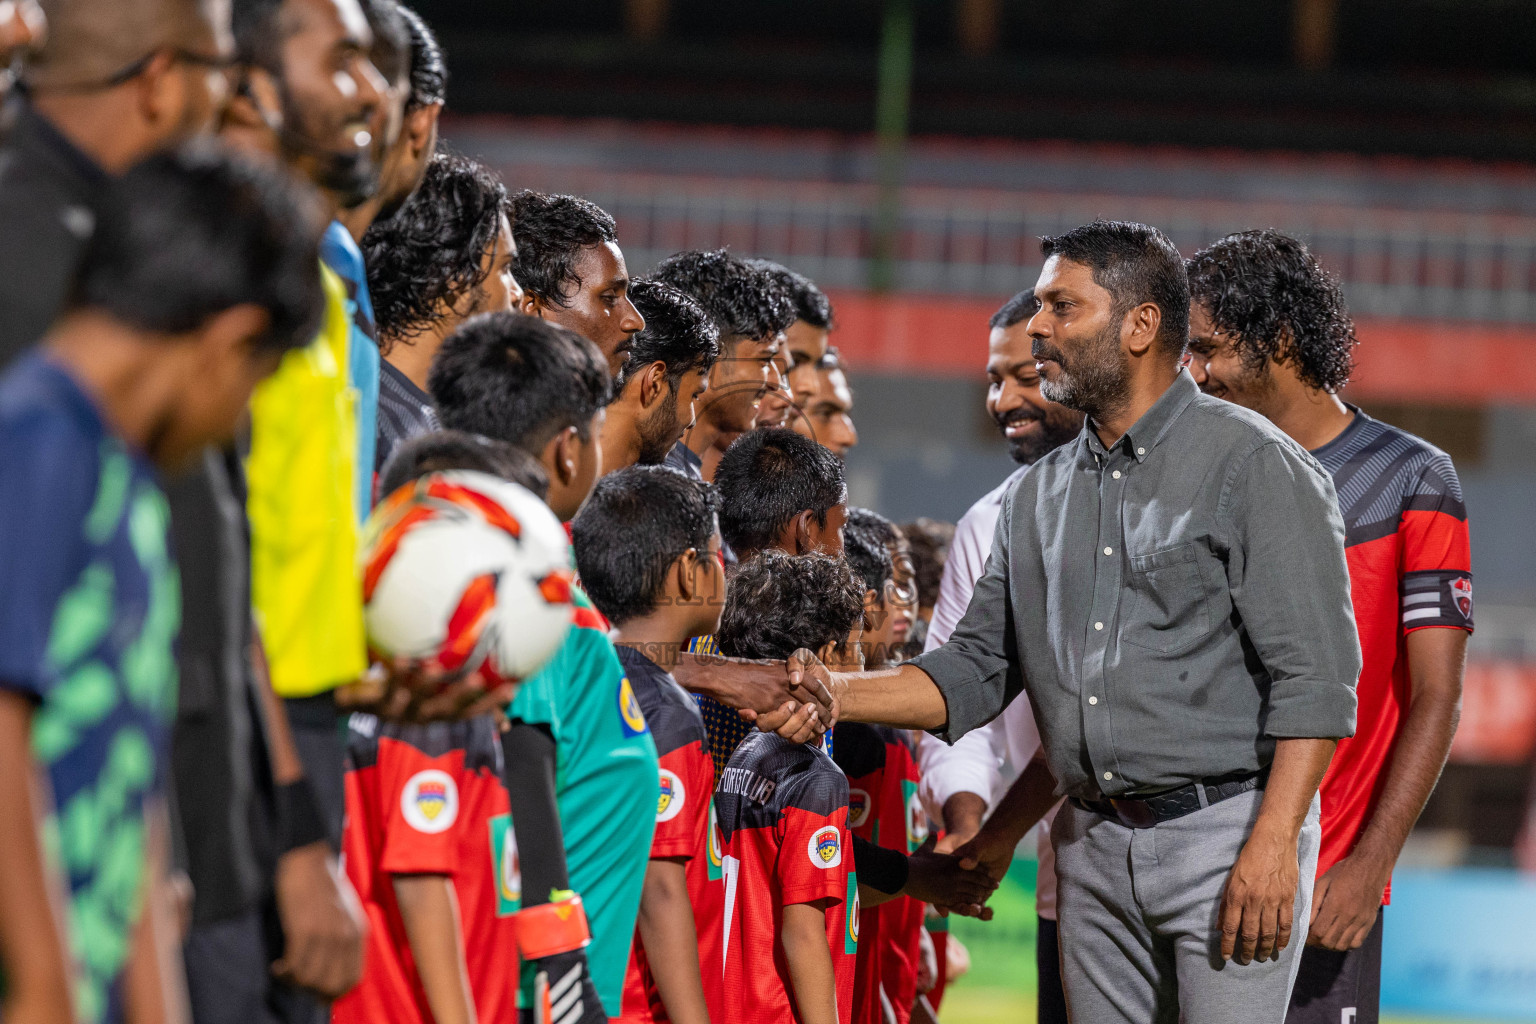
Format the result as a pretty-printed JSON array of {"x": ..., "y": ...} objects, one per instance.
[
  {"x": 630, "y": 715},
  {"x": 917, "y": 821},
  {"x": 858, "y": 808},
  {"x": 826, "y": 847},
  {"x": 430, "y": 801},
  {"x": 670, "y": 801}
]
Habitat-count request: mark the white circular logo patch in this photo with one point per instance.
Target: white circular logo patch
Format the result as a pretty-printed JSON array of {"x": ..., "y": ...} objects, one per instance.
[
  {"x": 858, "y": 808},
  {"x": 826, "y": 847},
  {"x": 430, "y": 801},
  {"x": 670, "y": 800}
]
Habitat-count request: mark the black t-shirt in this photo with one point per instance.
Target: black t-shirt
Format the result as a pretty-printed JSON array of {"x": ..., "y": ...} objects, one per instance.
[
  {"x": 48, "y": 191},
  {"x": 224, "y": 806}
]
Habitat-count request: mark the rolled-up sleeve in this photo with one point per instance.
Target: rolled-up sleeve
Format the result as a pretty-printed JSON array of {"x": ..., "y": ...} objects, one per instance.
[
  {"x": 1289, "y": 581},
  {"x": 977, "y": 669}
]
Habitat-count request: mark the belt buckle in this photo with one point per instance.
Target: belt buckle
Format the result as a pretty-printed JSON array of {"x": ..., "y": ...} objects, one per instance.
[{"x": 1134, "y": 813}]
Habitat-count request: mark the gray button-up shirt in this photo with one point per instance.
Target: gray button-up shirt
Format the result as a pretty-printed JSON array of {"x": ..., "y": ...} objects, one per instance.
[{"x": 1173, "y": 604}]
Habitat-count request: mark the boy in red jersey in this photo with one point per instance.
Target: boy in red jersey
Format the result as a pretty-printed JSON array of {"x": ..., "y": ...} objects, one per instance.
[
  {"x": 428, "y": 843},
  {"x": 648, "y": 551},
  {"x": 1269, "y": 331},
  {"x": 882, "y": 779},
  {"x": 791, "y": 922}
]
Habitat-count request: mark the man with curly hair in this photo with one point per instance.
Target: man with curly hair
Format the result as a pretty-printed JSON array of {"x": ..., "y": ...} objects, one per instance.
[
  {"x": 753, "y": 310},
  {"x": 446, "y": 256},
  {"x": 665, "y": 374},
  {"x": 573, "y": 272},
  {"x": 1269, "y": 331}
]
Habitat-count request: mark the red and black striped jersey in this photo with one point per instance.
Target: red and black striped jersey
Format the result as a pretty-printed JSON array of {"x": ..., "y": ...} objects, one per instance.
[
  {"x": 1409, "y": 555},
  {"x": 782, "y": 809},
  {"x": 683, "y": 822},
  {"x": 429, "y": 800}
]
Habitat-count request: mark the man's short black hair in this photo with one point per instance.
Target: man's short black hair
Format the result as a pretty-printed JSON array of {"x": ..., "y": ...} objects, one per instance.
[
  {"x": 677, "y": 332},
  {"x": 767, "y": 478},
  {"x": 453, "y": 449},
  {"x": 551, "y": 231},
  {"x": 1135, "y": 264},
  {"x": 636, "y": 524},
  {"x": 811, "y": 303},
  {"x": 778, "y": 603},
  {"x": 431, "y": 250},
  {"x": 1015, "y": 311},
  {"x": 1267, "y": 290},
  {"x": 391, "y": 39},
  {"x": 865, "y": 537},
  {"x": 429, "y": 72},
  {"x": 186, "y": 235},
  {"x": 746, "y": 301},
  {"x": 518, "y": 379},
  {"x": 258, "y": 29}
]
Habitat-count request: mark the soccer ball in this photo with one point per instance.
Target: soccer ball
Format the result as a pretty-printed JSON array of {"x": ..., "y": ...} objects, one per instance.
[{"x": 464, "y": 571}]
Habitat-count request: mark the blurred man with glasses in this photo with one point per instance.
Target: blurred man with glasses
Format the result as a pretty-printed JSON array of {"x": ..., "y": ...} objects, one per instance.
[{"x": 115, "y": 81}]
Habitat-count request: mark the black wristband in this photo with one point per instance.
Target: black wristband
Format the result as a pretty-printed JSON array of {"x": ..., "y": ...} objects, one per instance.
[
  {"x": 300, "y": 821},
  {"x": 879, "y": 868}
]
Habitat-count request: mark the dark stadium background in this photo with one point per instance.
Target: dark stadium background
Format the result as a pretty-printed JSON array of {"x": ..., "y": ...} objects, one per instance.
[{"x": 907, "y": 154}]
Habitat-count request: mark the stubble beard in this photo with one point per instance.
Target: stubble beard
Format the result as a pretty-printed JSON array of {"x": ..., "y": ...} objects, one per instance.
[{"x": 1097, "y": 383}]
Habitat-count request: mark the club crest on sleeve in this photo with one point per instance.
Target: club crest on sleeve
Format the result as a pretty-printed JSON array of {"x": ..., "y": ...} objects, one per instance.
[
  {"x": 670, "y": 801},
  {"x": 509, "y": 876},
  {"x": 851, "y": 916},
  {"x": 630, "y": 715},
  {"x": 917, "y": 818},
  {"x": 430, "y": 801},
  {"x": 858, "y": 808},
  {"x": 825, "y": 848},
  {"x": 1461, "y": 594},
  {"x": 716, "y": 847}
]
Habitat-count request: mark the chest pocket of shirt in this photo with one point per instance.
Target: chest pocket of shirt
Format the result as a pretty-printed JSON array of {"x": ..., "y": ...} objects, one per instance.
[{"x": 1167, "y": 607}]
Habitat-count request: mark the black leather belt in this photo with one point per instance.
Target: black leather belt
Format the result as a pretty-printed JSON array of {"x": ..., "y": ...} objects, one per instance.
[{"x": 1155, "y": 808}]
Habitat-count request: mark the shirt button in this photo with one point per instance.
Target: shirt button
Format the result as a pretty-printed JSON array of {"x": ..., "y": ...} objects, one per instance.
[
  {"x": 1108, "y": 776},
  {"x": 1116, "y": 474},
  {"x": 1093, "y": 700},
  {"x": 1141, "y": 451},
  {"x": 1109, "y": 551},
  {"x": 1098, "y": 625}
]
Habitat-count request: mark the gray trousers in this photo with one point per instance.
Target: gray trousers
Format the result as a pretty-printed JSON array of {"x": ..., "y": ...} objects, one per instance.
[{"x": 1138, "y": 912}]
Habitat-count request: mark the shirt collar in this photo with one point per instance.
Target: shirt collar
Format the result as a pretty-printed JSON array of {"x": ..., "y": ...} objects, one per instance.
[{"x": 1148, "y": 432}]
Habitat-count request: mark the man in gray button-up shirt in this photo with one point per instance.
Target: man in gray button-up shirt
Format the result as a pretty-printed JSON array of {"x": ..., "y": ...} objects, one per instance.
[{"x": 1171, "y": 588}]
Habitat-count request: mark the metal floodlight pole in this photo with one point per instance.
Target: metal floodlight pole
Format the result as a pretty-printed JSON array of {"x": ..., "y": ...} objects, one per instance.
[{"x": 893, "y": 100}]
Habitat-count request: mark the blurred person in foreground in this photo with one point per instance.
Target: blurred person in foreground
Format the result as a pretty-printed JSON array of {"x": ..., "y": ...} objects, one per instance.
[
  {"x": 115, "y": 81},
  {"x": 443, "y": 258},
  {"x": 23, "y": 28},
  {"x": 1269, "y": 331},
  {"x": 751, "y": 309},
  {"x": 666, "y": 372},
  {"x": 200, "y": 275},
  {"x": 1201, "y": 517},
  {"x": 961, "y": 783},
  {"x": 573, "y": 272},
  {"x": 827, "y": 415}
]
